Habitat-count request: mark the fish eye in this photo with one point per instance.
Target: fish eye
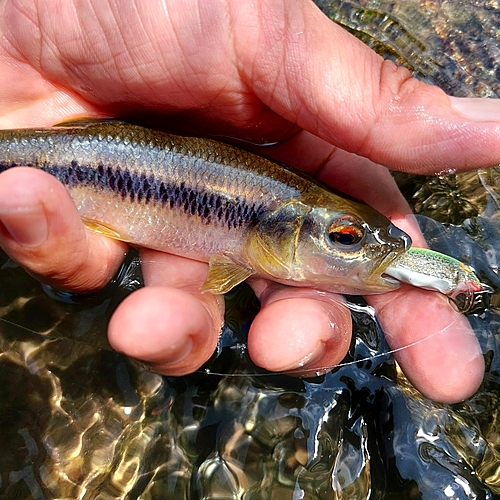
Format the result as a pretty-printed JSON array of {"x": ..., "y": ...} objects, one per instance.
[{"x": 346, "y": 231}]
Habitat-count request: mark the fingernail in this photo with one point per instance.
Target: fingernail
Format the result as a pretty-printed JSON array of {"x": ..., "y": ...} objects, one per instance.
[
  {"x": 175, "y": 353},
  {"x": 486, "y": 110},
  {"x": 311, "y": 359},
  {"x": 25, "y": 227}
]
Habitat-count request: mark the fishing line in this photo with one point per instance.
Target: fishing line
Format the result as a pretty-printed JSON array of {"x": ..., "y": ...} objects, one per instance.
[
  {"x": 127, "y": 273},
  {"x": 56, "y": 335},
  {"x": 320, "y": 370},
  {"x": 323, "y": 370},
  {"x": 493, "y": 195}
]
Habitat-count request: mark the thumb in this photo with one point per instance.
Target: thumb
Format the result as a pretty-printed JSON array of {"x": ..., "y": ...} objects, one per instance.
[{"x": 314, "y": 73}]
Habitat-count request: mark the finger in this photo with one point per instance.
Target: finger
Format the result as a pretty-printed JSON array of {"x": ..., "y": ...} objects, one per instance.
[
  {"x": 409, "y": 315},
  {"x": 298, "y": 330},
  {"x": 168, "y": 324},
  {"x": 41, "y": 230},
  {"x": 27, "y": 99},
  {"x": 355, "y": 176},
  {"x": 437, "y": 349},
  {"x": 440, "y": 353},
  {"x": 367, "y": 106},
  {"x": 349, "y": 173}
]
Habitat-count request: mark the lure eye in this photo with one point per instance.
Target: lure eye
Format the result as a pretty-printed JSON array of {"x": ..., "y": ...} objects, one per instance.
[{"x": 345, "y": 231}]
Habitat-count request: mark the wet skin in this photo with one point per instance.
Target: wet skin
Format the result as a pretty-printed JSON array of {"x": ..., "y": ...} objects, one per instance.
[{"x": 261, "y": 71}]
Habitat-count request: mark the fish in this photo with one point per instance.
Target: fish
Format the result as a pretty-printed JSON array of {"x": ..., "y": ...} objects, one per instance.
[
  {"x": 432, "y": 270},
  {"x": 244, "y": 214}
]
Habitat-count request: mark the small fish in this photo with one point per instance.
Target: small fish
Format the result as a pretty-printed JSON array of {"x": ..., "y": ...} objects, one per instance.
[
  {"x": 431, "y": 270},
  {"x": 202, "y": 199}
]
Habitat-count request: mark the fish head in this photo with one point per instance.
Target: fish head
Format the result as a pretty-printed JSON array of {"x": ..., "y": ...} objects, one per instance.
[{"x": 329, "y": 243}]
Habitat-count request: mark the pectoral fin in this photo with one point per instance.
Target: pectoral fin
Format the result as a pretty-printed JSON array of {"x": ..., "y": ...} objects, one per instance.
[
  {"x": 224, "y": 274},
  {"x": 99, "y": 227}
]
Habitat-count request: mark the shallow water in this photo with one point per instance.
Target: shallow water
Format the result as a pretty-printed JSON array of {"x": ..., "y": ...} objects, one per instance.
[{"x": 80, "y": 421}]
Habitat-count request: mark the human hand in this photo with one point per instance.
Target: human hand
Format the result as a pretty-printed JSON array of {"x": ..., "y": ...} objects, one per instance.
[{"x": 264, "y": 72}]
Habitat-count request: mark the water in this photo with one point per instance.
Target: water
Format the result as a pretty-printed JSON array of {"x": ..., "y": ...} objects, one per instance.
[
  {"x": 79, "y": 421},
  {"x": 82, "y": 422}
]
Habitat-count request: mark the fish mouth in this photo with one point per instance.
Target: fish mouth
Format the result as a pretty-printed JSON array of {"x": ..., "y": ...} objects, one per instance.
[
  {"x": 388, "y": 249},
  {"x": 380, "y": 276},
  {"x": 390, "y": 280}
]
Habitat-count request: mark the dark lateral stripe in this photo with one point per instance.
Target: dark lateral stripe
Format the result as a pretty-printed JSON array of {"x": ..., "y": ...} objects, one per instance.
[{"x": 209, "y": 207}]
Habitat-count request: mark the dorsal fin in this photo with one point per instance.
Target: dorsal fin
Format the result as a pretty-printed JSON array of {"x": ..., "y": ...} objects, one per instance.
[{"x": 86, "y": 121}]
